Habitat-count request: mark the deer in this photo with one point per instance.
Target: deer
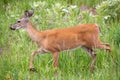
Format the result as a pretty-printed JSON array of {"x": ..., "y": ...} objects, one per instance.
[{"x": 54, "y": 41}]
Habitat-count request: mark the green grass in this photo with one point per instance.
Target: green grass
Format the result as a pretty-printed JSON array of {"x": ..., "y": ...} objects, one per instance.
[{"x": 16, "y": 47}]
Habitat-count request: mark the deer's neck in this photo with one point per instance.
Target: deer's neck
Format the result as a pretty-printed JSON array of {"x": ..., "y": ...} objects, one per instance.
[{"x": 33, "y": 32}]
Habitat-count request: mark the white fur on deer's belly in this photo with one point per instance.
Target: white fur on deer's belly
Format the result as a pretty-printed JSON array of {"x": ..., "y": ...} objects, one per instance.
[
  {"x": 70, "y": 49},
  {"x": 73, "y": 48}
]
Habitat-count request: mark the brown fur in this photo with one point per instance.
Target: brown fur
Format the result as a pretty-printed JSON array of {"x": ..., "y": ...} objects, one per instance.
[{"x": 68, "y": 38}]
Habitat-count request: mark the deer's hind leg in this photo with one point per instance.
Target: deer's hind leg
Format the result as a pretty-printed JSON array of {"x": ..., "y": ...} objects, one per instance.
[
  {"x": 93, "y": 55},
  {"x": 106, "y": 47}
]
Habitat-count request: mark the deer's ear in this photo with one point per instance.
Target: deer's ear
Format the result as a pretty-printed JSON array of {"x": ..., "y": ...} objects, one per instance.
[{"x": 28, "y": 13}]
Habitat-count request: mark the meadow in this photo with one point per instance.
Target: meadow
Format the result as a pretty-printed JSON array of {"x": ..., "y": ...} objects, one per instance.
[{"x": 16, "y": 47}]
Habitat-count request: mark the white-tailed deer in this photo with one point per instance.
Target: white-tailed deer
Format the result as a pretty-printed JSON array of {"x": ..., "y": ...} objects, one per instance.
[{"x": 57, "y": 40}]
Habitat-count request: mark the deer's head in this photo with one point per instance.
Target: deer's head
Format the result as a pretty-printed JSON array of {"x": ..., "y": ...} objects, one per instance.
[{"x": 21, "y": 23}]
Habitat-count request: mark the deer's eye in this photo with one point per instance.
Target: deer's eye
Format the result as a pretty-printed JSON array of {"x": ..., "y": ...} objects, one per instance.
[{"x": 18, "y": 21}]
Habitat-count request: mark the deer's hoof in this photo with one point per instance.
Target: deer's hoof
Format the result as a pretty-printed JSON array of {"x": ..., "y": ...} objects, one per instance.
[{"x": 33, "y": 70}]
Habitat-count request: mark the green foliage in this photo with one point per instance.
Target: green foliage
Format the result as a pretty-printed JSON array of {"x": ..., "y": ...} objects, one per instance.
[
  {"x": 116, "y": 36},
  {"x": 55, "y": 13},
  {"x": 110, "y": 10},
  {"x": 89, "y": 3}
]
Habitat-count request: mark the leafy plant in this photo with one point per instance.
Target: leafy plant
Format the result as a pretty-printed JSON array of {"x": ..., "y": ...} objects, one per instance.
[
  {"x": 116, "y": 36},
  {"x": 109, "y": 10}
]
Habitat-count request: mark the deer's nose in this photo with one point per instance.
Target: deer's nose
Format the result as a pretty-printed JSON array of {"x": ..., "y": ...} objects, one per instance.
[{"x": 12, "y": 28}]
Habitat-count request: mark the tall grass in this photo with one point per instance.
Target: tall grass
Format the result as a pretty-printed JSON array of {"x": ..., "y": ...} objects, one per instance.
[{"x": 16, "y": 47}]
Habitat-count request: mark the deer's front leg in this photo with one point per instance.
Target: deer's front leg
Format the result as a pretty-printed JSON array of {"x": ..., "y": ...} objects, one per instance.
[
  {"x": 55, "y": 59},
  {"x": 93, "y": 55},
  {"x": 32, "y": 58}
]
